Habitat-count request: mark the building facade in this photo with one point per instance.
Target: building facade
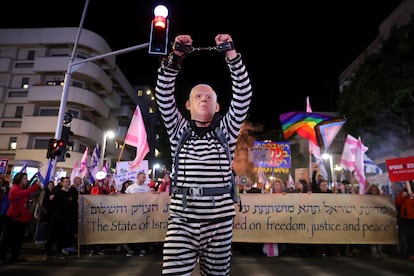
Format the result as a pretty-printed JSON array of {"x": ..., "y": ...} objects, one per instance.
[{"x": 33, "y": 64}]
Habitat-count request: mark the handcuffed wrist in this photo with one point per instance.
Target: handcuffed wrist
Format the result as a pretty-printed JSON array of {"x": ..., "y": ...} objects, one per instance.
[{"x": 172, "y": 61}]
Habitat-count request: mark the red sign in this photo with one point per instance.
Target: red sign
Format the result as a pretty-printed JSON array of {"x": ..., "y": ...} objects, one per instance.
[{"x": 400, "y": 169}]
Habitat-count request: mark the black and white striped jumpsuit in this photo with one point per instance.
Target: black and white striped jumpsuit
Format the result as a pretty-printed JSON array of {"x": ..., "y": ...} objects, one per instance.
[{"x": 202, "y": 229}]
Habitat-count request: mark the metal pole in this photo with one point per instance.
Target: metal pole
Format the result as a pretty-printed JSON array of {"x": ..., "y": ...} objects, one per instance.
[
  {"x": 103, "y": 148},
  {"x": 66, "y": 82},
  {"x": 332, "y": 171},
  {"x": 74, "y": 65}
]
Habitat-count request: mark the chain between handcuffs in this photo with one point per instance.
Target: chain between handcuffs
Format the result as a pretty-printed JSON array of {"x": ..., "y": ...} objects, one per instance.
[{"x": 222, "y": 47}]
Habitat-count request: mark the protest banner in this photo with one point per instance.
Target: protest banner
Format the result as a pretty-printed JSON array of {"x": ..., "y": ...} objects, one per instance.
[{"x": 289, "y": 218}]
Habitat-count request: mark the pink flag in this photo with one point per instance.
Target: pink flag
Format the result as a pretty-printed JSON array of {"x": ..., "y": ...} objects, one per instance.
[
  {"x": 75, "y": 171},
  {"x": 359, "y": 165},
  {"x": 349, "y": 153},
  {"x": 326, "y": 131},
  {"x": 291, "y": 183},
  {"x": 353, "y": 158},
  {"x": 308, "y": 106},
  {"x": 84, "y": 163},
  {"x": 313, "y": 149},
  {"x": 137, "y": 137},
  {"x": 105, "y": 167}
]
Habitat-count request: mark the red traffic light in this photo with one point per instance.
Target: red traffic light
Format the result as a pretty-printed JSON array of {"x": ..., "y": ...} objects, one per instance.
[
  {"x": 160, "y": 22},
  {"x": 54, "y": 148},
  {"x": 56, "y": 144},
  {"x": 159, "y": 31}
]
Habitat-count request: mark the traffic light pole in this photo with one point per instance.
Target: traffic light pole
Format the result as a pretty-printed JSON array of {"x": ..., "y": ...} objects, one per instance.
[{"x": 73, "y": 66}]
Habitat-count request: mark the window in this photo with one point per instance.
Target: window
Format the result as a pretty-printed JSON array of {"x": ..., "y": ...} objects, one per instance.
[
  {"x": 12, "y": 143},
  {"x": 45, "y": 111},
  {"x": 24, "y": 65},
  {"x": 19, "y": 112},
  {"x": 77, "y": 84},
  {"x": 75, "y": 113},
  {"x": 41, "y": 143},
  {"x": 14, "y": 124},
  {"x": 25, "y": 83},
  {"x": 30, "y": 55},
  {"x": 21, "y": 94}
]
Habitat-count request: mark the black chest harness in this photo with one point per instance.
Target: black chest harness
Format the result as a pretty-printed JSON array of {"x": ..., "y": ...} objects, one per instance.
[{"x": 232, "y": 189}]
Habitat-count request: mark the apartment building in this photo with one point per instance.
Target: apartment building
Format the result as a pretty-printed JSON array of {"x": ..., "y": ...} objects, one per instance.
[{"x": 33, "y": 64}]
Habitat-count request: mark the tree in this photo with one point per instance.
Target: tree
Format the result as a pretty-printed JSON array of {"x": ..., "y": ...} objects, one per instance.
[{"x": 378, "y": 102}]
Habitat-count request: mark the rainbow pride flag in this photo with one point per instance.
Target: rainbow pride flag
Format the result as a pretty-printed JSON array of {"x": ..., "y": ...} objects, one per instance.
[{"x": 302, "y": 123}]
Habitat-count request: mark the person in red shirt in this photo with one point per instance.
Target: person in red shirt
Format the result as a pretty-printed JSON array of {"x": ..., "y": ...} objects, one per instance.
[
  {"x": 405, "y": 206},
  {"x": 18, "y": 217},
  {"x": 165, "y": 183}
]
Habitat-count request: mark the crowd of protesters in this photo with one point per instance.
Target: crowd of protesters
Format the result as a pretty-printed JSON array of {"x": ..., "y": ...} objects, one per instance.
[
  {"x": 54, "y": 217},
  {"x": 404, "y": 200}
]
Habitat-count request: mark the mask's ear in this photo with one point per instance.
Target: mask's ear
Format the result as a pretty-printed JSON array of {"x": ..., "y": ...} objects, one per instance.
[
  {"x": 217, "y": 107},
  {"x": 187, "y": 104}
]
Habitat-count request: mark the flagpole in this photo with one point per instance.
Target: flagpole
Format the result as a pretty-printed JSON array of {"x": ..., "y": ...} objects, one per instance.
[
  {"x": 352, "y": 183},
  {"x": 310, "y": 163},
  {"x": 122, "y": 151}
]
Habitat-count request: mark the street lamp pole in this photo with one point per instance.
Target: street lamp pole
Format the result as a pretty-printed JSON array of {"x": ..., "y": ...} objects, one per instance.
[
  {"x": 108, "y": 134},
  {"x": 74, "y": 65},
  {"x": 103, "y": 148},
  {"x": 331, "y": 168},
  {"x": 156, "y": 166},
  {"x": 65, "y": 89}
]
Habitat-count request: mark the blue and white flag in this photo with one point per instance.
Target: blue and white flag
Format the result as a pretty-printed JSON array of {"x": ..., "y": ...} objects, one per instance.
[
  {"x": 45, "y": 179},
  {"x": 370, "y": 166},
  {"x": 24, "y": 168},
  {"x": 94, "y": 167}
]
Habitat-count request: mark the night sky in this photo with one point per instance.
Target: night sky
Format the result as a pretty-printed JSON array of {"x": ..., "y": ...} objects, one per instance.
[{"x": 292, "y": 50}]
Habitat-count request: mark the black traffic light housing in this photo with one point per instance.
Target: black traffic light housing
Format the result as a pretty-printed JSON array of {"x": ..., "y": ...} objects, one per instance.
[
  {"x": 54, "y": 148},
  {"x": 66, "y": 144},
  {"x": 158, "y": 44}
]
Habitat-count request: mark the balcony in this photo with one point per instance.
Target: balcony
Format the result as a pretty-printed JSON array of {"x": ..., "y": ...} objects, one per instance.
[
  {"x": 89, "y": 72},
  {"x": 5, "y": 65},
  {"x": 79, "y": 96}
]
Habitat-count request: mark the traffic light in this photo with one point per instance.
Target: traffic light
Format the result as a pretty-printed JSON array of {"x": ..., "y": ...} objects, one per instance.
[
  {"x": 158, "y": 44},
  {"x": 54, "y": 148},
  {"x": 66, "y": 144}
]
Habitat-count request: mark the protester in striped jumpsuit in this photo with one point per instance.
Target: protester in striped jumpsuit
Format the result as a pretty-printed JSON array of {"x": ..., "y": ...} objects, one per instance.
[{"x": 201, "y": 217}]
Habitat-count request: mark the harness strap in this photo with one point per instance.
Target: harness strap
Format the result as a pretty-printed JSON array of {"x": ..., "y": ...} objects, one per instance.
[{"x": 199, "y": 192}]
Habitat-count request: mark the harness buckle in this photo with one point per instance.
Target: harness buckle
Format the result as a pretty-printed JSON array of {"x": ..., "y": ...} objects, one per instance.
[
  {"x": 174, "y": 189},
  {"x": 195, "y": 191}
]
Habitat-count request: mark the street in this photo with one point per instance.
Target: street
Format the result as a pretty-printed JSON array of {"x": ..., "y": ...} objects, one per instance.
[{"x": 243, "y": 264}]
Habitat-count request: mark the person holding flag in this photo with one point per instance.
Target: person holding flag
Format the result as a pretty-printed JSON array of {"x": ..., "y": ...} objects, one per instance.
[{"x": 18, "y": 217}]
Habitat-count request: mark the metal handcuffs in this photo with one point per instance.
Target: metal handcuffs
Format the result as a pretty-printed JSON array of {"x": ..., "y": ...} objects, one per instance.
[{"x": 187, "y": 49}]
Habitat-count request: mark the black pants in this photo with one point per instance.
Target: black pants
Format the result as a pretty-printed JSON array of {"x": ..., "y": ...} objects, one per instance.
[
  {"x": 13, "y": 237},
  {"x": 406, "y": 232}
]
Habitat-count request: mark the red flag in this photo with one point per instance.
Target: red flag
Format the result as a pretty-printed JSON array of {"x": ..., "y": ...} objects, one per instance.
[{"x": 137, "y": 137}]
